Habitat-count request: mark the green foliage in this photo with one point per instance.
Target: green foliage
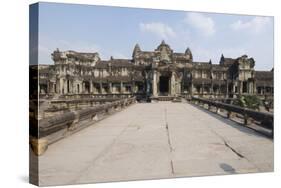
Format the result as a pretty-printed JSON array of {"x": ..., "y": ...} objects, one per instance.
[{"x": 248, "y": 101}]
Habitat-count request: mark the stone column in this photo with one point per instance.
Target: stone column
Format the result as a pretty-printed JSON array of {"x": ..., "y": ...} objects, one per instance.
[
  {"x": 254, "y": 88},
  {"x": 179, "y": 88},
  {"x": 212, "y": 88},
  {"x": 121, "y": 87},
  {"x": 65, "y": 87},
  {"x": 250, "y": 88},
  {"x": 61, "y": 86},
  {"x": 227, "y": 88},
  {"x": 100, "y": 87},
  {"x": 173, "y": 83},
  {"x": 202, "y": 88},
  {"x": 91, "y": 86},
  {"x": 240, "y": 87},
  {"x": 110, "y": 87},
  {"x": 147, "y": 87},
  {"x": 191, "y": 89},
  {"x": 133, "y": 90},
  {"x": 154, "y": 87}
]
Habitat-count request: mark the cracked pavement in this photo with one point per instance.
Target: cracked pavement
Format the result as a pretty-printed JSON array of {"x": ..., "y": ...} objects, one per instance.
[{"x": 156, "y": 140}]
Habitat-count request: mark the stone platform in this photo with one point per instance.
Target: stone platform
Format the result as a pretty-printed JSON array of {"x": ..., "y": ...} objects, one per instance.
[{"x": 156, "y": 140}]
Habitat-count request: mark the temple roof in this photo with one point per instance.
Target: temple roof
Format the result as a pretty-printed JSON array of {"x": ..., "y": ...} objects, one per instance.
[
  {"x": 264, "y": 75},
  {"x": 264, "y": 78},
  {"x": 82, "y": 56},
  {"x": 202, "y": 65},
  {"x": 217, "y": 67},
  {"x": 179, "y": 56},
  {"x": 114, "y": 63}
]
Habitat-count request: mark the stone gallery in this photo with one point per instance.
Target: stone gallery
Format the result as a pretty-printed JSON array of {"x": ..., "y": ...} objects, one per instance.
[
  {"x": 157, "y": 74},
  {"x": 110, "y": 100}
]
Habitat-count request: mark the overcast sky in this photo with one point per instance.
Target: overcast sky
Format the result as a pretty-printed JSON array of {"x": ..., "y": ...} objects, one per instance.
[{"x": 113, "y": 31}]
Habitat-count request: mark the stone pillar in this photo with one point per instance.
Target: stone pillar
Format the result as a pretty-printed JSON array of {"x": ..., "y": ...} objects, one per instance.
[
  {"x": 173, "y": 83},
  {"x": 121, "y": 87},
  {"x": 179, "y": 88},
  {"x": 154, "y": 87},
  {"x": 101, "y": 88},
  {"x": 191, "y": 89},
  {"x": 227, "y": 89},
  {"x": 91, "y": 86},
  {"x": 212, "y": 88},
  {"x": 65, "y": 87},
  {"x": 250, "y": 87},
  {"x": 202, "y": 89},
  {"x": 254, "y": 88},
  {"x": 240, "y": 87},
  {"x": 94, "y": 88},
  {"x": 110, "y": 87},
  {"x": 57, "y": 86},
  {"x": 133, "y": 90},
  {"x": 61, "y": 86}
]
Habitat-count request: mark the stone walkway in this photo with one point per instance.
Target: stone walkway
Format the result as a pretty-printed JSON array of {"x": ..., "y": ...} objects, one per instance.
[{"x": 156, "y": 140}]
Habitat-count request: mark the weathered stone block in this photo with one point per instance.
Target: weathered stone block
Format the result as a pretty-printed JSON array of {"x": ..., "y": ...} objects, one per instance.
[{"x": 38, "y": 146}]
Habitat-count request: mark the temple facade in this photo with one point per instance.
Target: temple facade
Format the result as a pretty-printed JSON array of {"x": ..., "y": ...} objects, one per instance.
[{"x": 153, "y": 74}]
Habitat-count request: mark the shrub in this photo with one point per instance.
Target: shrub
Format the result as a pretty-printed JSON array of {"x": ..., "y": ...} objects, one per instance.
[{"x": 248, "y": 101}]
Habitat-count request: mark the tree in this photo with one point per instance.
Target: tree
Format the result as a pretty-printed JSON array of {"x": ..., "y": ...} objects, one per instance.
[{"x": 248, "y": 101}]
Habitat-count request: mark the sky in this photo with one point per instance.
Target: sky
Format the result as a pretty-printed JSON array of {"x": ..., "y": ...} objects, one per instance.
[{"x": 114, "y": 31}]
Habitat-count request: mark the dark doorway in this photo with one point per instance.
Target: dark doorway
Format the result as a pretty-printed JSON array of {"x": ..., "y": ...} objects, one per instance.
[
  {"x": 164, "y": 85},
  {"x": 244, "y": 87},
  {"x": 68, "y": 86},
  {"x": 87, "y": 87},
  {"x": 78, "y": 88}
]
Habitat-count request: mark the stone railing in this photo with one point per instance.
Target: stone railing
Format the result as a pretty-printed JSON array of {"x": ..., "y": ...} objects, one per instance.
[
  {"x": 85, "y": 95},
  {"x": 52, "y": 129},
  {"x": 77, "y": 102},
  {"x": 263, "y": 119}
]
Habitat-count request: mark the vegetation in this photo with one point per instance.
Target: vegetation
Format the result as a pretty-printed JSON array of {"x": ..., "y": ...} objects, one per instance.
[{"x": 248, "y": 101}]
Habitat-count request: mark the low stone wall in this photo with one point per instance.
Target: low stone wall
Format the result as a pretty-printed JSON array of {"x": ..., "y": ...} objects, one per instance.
[
  {"x": 55, "y": 128},
  {"x": 106, "y": 95},
  {"x": 264, "y": 119}
]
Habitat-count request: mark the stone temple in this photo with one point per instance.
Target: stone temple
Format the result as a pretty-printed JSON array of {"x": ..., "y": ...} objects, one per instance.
[{"x": 159, "y": 74}]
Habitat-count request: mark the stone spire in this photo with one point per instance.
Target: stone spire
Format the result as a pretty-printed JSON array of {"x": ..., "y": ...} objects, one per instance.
[
  {"x": 210, "y": 61},
  {"x": 163, "y": 42},
  {"x": 136, "y": 50},
  {"x": 222, "y": 59},
  {"x": 188, "y": 53}
]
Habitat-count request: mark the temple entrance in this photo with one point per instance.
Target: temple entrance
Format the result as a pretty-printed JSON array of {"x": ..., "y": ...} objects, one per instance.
[
  {"x": 87, "y": 87},
  {"x": 164, "y": 85}
]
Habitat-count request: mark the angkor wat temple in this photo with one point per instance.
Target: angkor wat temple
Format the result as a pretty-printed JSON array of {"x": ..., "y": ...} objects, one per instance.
[{"x": 153, "y": 74}]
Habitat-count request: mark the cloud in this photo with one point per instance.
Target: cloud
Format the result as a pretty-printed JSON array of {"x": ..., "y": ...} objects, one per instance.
[
  {"x": 204, "y": 24},
  {"x": 255, "y": 25},
  {"x": 160, "y": 29}
]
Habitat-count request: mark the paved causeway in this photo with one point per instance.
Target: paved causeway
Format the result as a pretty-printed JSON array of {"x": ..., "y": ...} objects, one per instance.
[{"x": 156, "y": 140}]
